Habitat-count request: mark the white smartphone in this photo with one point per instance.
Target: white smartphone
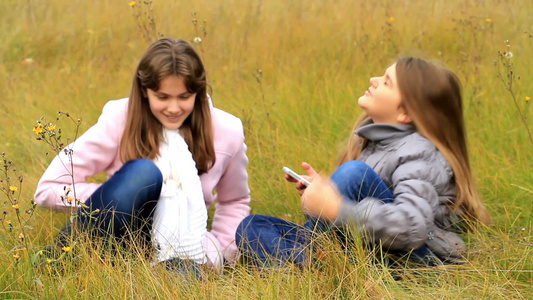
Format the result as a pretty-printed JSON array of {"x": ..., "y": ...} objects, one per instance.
[{"x": 296, "y": 176}]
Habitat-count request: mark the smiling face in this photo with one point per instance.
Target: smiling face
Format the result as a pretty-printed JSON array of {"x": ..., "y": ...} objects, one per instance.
[
  {"x": 382, "y": 100},
  {"x": 172, "y": 104}
]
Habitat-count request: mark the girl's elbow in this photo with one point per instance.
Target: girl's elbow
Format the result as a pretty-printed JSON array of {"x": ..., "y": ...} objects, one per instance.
[
  {"x": 43, "y": 203},
  {"x": 410, "y": 239},
  {"x": 418, "y": 237},
  {"x": 41, "y": 200}
]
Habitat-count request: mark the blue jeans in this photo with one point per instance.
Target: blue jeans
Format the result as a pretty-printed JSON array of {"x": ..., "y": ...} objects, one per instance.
[
  {"x": 125, "y": 203},
  {"x": 266, "y": 240},
  {"x": 123, "y": 206}
]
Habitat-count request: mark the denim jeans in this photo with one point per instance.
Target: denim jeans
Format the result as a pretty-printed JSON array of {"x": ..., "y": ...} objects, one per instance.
[
  {"x": 123, "y": 206},
  {"x": 125, "y": 203},
  {"x": 267, "y": 241}
]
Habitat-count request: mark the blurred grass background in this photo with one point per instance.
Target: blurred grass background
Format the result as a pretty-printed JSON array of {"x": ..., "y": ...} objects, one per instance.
[{"x": 316, "y": 58}]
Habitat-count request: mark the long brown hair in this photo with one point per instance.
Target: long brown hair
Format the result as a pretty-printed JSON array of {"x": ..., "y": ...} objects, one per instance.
[
  {"x": 431, "y": 97},
  {"x": 143, "y": 132}
]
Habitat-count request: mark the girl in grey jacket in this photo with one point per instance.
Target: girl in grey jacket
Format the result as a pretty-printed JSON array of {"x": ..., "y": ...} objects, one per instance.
[{"x": 404, "y": 181}]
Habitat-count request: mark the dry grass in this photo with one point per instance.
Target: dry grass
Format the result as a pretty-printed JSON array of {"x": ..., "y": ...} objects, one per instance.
[{"x": 316, "y": 58}]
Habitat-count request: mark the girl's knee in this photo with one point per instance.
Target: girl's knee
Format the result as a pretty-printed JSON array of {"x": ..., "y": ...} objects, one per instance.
[
  {"x": 144, "y": 169},
  {"x": 353, "y": 165},
  {"x": 142, "y": 166},
  {"x": 241, "y": 232},
  {"x": 247, "y": 223},
  {"x": 250, "y": 226},
  {"x": 351, "y": 169}
]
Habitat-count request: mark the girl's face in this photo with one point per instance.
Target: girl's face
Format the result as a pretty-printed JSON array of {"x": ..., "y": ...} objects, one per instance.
[
  {"x": 382, "y": 99},
  {"x": 172, "y": 103}
]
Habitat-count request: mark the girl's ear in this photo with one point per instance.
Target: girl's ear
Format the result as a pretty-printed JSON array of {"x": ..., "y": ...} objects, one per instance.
[{"x": 403, "y": 117}]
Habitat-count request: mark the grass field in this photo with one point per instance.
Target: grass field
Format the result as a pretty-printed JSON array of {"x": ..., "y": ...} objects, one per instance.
[{"x": 315, "y": 59}]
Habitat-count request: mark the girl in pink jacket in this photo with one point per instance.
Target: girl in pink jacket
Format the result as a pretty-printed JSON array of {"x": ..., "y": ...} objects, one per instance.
[{"x": 166, "y": 150}]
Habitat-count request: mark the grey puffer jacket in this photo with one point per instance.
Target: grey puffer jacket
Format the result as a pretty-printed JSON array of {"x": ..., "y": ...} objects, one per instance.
[{"x": 423, "y": 186}]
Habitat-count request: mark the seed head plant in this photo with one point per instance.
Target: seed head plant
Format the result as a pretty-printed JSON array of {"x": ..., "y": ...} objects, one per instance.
[
  {"x": 200, "y": 33},
  {"x": 143, "y": 14},
  {"x": 510, "y": 80},
  {"x": 52, "y": 135},
  {"x": 16, "y": 213}
]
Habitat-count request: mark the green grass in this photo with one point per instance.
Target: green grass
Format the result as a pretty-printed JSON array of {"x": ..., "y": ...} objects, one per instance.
[{"x": 316, "y": 59}]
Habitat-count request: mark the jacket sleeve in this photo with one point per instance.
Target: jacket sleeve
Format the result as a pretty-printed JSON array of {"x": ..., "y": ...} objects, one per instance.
[
  {"x": 404, "y": 223},
  {"x": 92, "y": 152},
  {"x": 233, "y": 198}
]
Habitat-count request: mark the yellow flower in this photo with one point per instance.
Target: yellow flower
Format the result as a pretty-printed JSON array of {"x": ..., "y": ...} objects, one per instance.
[
  {"x": 66, "y": 249},
  {"x": 13, "y": 188},
  {"x": 21, "y": 236},
  {"x": 48, "y": 261},
  {"x": 391, "y": 19},
  {"x": 8, "y": 222},
  {"x": 70, "y": 199},
  {"x": 16, "y": 256},
  {"x": 51, "y": 127},
  {"x": 528, "y": 98},
  {"x": 132, "y": 3},
  {"x": 38, "y": 129},
  {"x": 15, "y": 206},
  {"x": 97, "y": 210},
  {"x": 488, "y": 20}
]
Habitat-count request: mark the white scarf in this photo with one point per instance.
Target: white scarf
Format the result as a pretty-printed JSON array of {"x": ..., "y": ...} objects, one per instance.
[{"x": 180, "y": 217}]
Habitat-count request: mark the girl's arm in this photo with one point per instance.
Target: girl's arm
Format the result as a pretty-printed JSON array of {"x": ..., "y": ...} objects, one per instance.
[
  {"x": 404, "y": 223},
  {"x": 233, "y": 196},
  {"x": 92, "y": 152}
]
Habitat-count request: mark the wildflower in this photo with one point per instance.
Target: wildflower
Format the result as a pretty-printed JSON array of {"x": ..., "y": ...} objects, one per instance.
[
  {"x": 528, "y": 98},
  {"x": 132, "y": 3},
  {"x": 391, "y": 19},
  {"x": 70, "y": 199},
  {"x": 488, "y": 20},
  {"x": 51, "y": 127},
  {"x": 8, "y": 222},
  {"x": 16, "y": 256},
  {"x": 38, "y": 129},
  {"x": 15, "y": 206},
  {"x": 509, "y": 54},
  {"x": 21, "y": 236},
  {"x": 197, "y": 40},
  {"x": 66, "y": 249},
  {"x": 48, "y": 261},
  {"x": 97, "y": 210},
  {"x": 13, "y": 188}
]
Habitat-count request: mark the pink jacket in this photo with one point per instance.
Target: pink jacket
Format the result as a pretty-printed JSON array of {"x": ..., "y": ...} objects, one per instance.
[{"x": 97, "y": 150}]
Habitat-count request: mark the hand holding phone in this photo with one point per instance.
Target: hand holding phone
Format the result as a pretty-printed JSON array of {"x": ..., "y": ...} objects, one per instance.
[{"x": 296, "y": 176}]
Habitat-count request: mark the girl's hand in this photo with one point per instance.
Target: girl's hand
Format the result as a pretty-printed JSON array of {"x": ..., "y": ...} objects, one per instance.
[
  {"x": 300, "y": 186},
  {"x": 321, "y": 199}
]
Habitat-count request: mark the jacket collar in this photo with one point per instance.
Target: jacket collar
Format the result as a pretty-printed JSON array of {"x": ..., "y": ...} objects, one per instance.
[{"x": 378, "y": 132}]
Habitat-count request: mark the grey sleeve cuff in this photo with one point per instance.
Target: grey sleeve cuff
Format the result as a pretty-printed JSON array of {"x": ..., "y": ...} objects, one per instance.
[{"x": 355, "y": 213}]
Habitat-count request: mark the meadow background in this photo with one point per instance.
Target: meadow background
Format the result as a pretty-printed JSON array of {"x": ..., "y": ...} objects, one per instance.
[{"x": 315, "y": 59}]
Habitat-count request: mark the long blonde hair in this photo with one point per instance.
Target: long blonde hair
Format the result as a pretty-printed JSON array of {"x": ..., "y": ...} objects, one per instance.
[
  {"x": 431, "y": 96},
  {"x": 143, "y": 132}
]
